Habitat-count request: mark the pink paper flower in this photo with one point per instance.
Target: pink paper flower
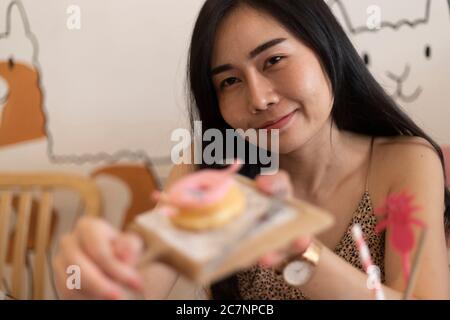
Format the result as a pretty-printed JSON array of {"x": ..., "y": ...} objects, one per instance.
[{"x": 398, "y": 210}]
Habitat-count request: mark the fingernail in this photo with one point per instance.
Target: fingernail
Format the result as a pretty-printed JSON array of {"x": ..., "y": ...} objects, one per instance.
[
  {"x": 114, "y": 295},
  {"x": 301, "y": 244},
  {"x": 155, "y": 195},
  {"x": 277, "y": 189},
  {"x": 263, "y": 264},
  {"x": 168, "y": 212},
  {"x": 267, "y": 260},
  {"x": 136, "y": 284}
]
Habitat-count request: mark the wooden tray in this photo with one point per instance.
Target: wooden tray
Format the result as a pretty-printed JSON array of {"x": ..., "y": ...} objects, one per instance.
[{"x": 208, "y": 256}]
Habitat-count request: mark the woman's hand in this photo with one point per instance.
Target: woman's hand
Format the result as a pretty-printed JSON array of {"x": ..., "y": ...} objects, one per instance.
[
  {"x": 106, "y": 259},
  {"x": 280, "y": 184}
]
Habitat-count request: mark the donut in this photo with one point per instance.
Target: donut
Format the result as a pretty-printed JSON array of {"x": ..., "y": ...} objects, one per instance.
[{"x": 205, "y": 200}]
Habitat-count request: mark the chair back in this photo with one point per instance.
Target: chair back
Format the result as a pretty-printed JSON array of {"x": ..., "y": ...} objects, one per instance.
[{"x": 18, "y": 193}]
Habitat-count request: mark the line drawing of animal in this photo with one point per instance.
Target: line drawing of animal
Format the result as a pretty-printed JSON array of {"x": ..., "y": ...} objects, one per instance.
[
  {"x": 126, "y": 178},
  {"x": 409, "y": 58}
]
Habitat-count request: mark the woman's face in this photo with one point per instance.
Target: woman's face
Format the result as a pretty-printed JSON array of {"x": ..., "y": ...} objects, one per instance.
[{"x": 265, "y": 78}]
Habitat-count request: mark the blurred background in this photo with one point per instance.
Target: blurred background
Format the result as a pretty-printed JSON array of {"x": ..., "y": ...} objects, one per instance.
[{"x": 96, "y": 88}]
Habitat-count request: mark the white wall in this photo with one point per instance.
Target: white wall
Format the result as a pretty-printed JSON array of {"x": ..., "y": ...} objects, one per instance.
[
  {"x": 116, "y": 85},
  {"x": 118, "y": 81},
  {"x": 400, "y": 45}
]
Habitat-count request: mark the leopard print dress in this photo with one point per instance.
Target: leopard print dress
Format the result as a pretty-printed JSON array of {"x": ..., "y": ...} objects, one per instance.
[{"x": 258, "y": 283}]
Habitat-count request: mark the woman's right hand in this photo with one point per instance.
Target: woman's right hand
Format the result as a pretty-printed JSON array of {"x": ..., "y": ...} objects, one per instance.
[{"x": 107, "y": 259}]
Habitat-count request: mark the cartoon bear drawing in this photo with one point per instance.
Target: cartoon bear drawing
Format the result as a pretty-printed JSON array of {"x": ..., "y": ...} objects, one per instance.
[{"x": 409, "y": 58}]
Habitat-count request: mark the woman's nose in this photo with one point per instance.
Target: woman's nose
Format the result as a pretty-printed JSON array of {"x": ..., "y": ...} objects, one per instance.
[{"x": 261, "y": 94}]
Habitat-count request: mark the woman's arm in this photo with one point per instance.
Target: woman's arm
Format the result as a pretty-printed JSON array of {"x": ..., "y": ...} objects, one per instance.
[
  {"x": 335, "y": 279},
  {"x": 420, "y": 173},
  {"x": 417, "y": 169}
]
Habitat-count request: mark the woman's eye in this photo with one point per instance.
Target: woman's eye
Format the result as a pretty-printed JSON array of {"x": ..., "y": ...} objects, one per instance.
[
  {"x": 228, "y": 82},
  {"x": 273, "y": 60}
]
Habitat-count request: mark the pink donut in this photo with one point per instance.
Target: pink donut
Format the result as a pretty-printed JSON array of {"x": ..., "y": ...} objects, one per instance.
[{"x": 202, "y": 188}]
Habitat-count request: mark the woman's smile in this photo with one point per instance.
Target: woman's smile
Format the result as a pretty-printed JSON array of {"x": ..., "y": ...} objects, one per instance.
[{"x": 280, "y": 123}]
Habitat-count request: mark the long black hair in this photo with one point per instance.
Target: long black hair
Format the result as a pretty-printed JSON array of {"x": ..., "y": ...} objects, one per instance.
[{"x": 360, "y": 103}]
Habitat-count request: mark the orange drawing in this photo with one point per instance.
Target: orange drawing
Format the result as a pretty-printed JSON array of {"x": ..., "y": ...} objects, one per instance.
[
  {"x": 141, "y": 183},
  {"x": 24, "y": 119}
]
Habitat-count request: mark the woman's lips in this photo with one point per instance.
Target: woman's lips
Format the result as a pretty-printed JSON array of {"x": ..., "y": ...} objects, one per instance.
[{"x": 280, "y": 123}]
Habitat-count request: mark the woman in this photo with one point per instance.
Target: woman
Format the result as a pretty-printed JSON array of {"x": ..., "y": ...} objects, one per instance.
[{"x": 344, "y": 146}]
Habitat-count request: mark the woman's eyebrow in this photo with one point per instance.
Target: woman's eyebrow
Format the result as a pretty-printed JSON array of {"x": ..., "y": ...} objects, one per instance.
[
  {"x": 253, "y": 54},
  {"x": 269, "y": 44}
]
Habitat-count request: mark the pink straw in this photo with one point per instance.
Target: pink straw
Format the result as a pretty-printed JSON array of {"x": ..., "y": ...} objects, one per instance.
[{"x": 366, "y": 260}]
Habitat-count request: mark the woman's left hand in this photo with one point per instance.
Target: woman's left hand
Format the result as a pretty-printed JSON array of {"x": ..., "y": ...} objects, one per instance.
[{"x": 280, "y": 184}]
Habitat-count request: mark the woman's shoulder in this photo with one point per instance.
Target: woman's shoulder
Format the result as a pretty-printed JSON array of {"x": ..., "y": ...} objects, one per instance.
[
  {"x": 404, "y": 142},
  {"x": 402, "y": 156},
  {"x": 404, "y": 148},
  {"x": 404, "y": 163}
]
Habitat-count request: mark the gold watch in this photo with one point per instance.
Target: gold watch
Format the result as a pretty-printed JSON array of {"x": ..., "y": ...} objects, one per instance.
[{"x": 299, "y": 270}]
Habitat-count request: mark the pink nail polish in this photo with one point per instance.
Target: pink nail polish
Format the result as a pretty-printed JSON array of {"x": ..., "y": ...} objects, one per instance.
[
  {"x": 136, "y": 284},
  {"x": 301, "y": 245},
  {"x": 114, "y": 296},
  {"x": 266, "y": 261},
  {"x": 169, "y": 212}
]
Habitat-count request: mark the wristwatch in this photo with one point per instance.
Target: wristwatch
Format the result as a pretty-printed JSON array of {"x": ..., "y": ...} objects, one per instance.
[{"x": 299, "y": 270}]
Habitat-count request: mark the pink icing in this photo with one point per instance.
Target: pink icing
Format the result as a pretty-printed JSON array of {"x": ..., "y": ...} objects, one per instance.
[{"x": 202, "y": 188}]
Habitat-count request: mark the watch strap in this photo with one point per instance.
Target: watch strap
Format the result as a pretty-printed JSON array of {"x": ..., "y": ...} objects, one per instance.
[{"x": 312, "y": 253}]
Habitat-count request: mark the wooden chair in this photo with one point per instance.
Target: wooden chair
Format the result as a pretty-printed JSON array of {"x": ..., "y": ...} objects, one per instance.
[{"x": 26, "y": 187}]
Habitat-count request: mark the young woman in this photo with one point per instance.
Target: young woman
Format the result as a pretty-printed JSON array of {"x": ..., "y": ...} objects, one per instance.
[{"x": 344, "y": 146}]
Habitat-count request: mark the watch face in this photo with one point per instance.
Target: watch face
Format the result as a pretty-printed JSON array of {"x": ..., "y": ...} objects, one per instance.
[{"x": 297, "y": 273}]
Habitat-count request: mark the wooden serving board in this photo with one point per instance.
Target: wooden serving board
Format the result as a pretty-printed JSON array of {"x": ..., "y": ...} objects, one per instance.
[{"x": 208, "y": 256}]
